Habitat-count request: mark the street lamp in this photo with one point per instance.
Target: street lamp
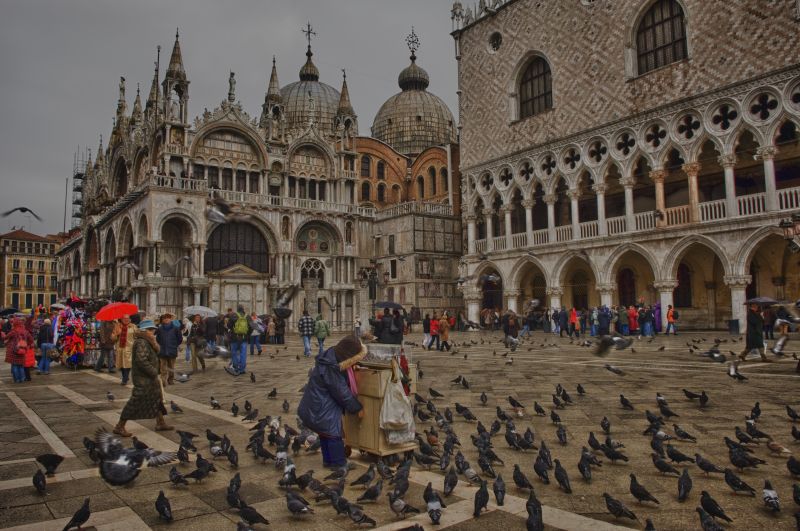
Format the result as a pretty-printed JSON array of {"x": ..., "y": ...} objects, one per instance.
[{"x": 791, "y": 232}]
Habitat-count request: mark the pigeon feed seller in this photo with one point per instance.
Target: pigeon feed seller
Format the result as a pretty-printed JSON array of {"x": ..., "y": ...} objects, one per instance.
[{"x": 329, "y": 395}]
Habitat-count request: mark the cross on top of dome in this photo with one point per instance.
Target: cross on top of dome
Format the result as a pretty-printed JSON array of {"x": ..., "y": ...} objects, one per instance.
[{"x": 412, "y": 41}]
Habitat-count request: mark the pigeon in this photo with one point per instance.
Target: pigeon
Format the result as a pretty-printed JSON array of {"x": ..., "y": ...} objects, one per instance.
[
  {"x": 163, "y": 507},
  {"x": 561, "y": 434},
  {"x": 118, "y": 465},
  {"x": 796, "y": 493},
  {"x": 80, "y": 517},
  {"x": 175, "y": 407},
  {"x": 690, "y": 395},
  {"x": 676, "y": 456},
  {"x": 186, "y": 440},
  {"x": 400, "y": 507},
  {"x": 358, "y": 516},
  {"x": 273, "y": 393},
  {"x": 233, "y": 457},
  {"x": 684, "y": 485},
  {"x": 434, "y": 393},
  {"x": 253, "y": 415},
  {"x": 481, "y": 499},
  {"x": 499, "y": 488},
  {"x": 554, "y": 417},
  {"x": 640, "y": 492},
  {"x": 366, "y": 478},
  {"x": 450, "y": 481},
  {"x": 252, "y": 377},
  {"x": 561, "y": 477},
  {"x": 110, "y": 396},
  {"x": 682, "y": 434},
  {"x": 24, "y": 210},
  {"x": 663, "y": 466},
  {"x": 581, "y": 390},
  {"x": 296, "y": 505},
  {"x": 611, "y": 368},
  {"x": 234, "y": 409},
  {"x": 40, "y": 481},
  {"x": 541, "y": 468},
  {"x": 251, "y": 516},
  {"x": 707, "y": 521},
  {"x": 793, "y": 465},
  {"x": 617, "y": 508},
  {"x": 792, "y": 413},
  {"x": 706, "y": 466},
  {"x": 625, "y": 402},
  {"x": 666, "y": 411},
  {"x": 770, "y": 497},
  {"x": 520, "y": 480},
  {"x": 183, "y": 455},
  {"x": 712, "y": 507},
  {"x": 539, "y": 409},
  {"x": 212, "y": 437},
  {"x": 215, "y": 403},
  {"x": 50, "y": 462},
  {"x": 372, "y": 493},
  {"x": 737, "y": 484},
  {"x": 484, "y": 399},
  {"x": 176, "y": 478},
  {"x": 605, "y": 424},
  {"x": 285, "y": 406},
  {"x": 613, "y": 454},
  {"x": 585, "y": 469}
]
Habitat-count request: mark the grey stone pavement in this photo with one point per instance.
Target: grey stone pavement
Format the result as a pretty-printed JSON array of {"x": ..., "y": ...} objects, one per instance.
[{"x": 53, "y": 414}]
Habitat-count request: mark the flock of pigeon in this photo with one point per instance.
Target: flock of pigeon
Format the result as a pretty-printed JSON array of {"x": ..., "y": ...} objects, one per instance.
[{"x": 439, "y": 448}]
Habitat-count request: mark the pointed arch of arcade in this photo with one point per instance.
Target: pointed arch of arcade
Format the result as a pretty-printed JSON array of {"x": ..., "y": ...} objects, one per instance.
[
  {"x": 491, "y": 293},
  {"x": 676, "y": 254},
  {"x": 631, "y": 269},
  {"x": 251, "y": 136}
]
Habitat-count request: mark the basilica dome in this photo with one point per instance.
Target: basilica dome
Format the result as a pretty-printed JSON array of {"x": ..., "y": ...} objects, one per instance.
[
  {"x": 414, "y": 119},
  {"x": 308, "y": 98}
]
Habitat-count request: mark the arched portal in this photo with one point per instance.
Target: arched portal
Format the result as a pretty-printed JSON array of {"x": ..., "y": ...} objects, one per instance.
[
  {"x": 703, "y": 299},
  {"x": 532, "y": 284},
  {"x": 634, "y": 277},
  {"x": 120, "y": 181},
  {"x": 237, "y": 244},
  {"x": 579, "y": 284},
  {"x": 491, "y": 285}
]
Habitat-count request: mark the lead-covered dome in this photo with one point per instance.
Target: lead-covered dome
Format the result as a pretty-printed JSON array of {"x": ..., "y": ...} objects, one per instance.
[
  {"x": 414, "y": 119},
  {"x": 297, "y": 100}
]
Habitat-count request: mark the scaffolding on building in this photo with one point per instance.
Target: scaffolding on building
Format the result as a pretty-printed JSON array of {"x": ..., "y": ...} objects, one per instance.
[{"x": 78, "y": 177}]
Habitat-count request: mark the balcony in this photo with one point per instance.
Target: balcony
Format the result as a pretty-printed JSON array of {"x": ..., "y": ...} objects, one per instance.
[
  {"x": 177, "y": 183},
  {"x": 415, "y": 207},
  {"x": 708, "y": 212},
  {"x": 293, "y": 202}
]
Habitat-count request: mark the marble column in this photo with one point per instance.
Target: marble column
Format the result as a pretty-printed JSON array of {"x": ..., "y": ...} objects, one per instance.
[
  {"x": 488, "y": 214},
  {"x": 574, "y": 195},
  {"x": 152, "y": 304},
  {"x": 103, "y": 278},
  {"x": 507, "y": 209},
  {"x": 692, "y": 169},
  {"x": 473, "y": 301},
  {"x": 600, "y": 191},
  {"x": 470, "y": 218},
  {"x": 196, "y": 299},
  {"x": 711, "y": 297},
  {"x": 555, "y": 295},
  {"x": 738, "y": 284},
  {"x": 767, "y": 154},
  {"x": 658, "y": 180},
  {"x": 606, "y": 292},
  {"x": 728, "y": 162},
  {"x": 550, "y": 200},
  {"x": 512, "y": 296},
  {"x": 665, "y": 288},
  {"x": 630, "y": 220},
  {"x": 527, "y": 204}
]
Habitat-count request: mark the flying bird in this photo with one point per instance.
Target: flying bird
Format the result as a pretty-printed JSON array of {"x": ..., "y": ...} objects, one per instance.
[{"x": 24, "y": 210}]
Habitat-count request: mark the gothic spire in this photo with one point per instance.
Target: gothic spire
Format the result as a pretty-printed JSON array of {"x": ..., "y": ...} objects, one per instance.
[
  {"x": 274, "y": 90},
  {"x": 99, "y": 157},
  {"x": 345, "y": 107},
  {"x": 175, "y": 69},
  {"x": 152, "y": 98},
  {"x": 137, "y": 106}
]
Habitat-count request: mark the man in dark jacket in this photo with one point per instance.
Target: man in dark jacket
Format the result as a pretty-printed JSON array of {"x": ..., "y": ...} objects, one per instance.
[
  {"x": 426, "y": 330},
  {"x": 754, "y": 339},
  {"x": 383, "y": 327},
  {"x": 563, "y": 322},
  {"x": 169, "y": 339},
  {"x": 328, "y": 396},
  {"x": 603, "y": 320},
  {"x": 106, "y": 347},
  {"x": 211, "y": 325},
  {"x": 306, "y": 328}
]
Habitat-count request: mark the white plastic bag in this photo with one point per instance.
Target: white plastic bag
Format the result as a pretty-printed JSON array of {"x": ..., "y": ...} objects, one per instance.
[{"x": 397, "y": 416}]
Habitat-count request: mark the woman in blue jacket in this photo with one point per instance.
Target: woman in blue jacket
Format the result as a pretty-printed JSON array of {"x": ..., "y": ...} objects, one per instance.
[{"x": 328, "y": 396}]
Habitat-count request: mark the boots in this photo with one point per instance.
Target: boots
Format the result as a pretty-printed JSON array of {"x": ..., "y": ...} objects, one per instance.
[
  {"x": 161, "y": 424},
  {"x": 120, "y": 430},
  {"x": 203, "y": 363}
]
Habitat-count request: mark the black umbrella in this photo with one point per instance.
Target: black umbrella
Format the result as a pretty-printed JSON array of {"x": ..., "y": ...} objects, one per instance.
[
  {"x": 389, "y": 304},
  {"x": 5, "y": 312},
  {"x": 762, "y": 301}
]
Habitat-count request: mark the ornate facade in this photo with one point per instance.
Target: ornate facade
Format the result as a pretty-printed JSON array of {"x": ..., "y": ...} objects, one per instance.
[
  {"x": 628, "y": 150},
  {"x": 307, "y": 191}
]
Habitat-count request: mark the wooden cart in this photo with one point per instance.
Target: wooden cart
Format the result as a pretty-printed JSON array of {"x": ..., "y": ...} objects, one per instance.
[{"x": 365, "y": 434}]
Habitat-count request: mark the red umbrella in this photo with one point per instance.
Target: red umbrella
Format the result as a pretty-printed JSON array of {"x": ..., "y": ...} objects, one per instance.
[{"x": 116, "y": 310}]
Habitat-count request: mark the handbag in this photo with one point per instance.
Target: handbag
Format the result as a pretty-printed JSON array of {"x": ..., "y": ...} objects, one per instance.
[{"x": 397, "y": 416}]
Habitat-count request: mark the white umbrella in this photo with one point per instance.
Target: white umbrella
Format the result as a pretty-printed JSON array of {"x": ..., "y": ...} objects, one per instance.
[{"x": 202, "y": 311}]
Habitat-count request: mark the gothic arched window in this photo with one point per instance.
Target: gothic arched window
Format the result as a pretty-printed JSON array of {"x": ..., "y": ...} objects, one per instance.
[
  {"x": 432, "y": 176},
  {"x": 661, "y": 36},
  {"x": 381, "y": 170},
  {"x": 366, "y": 189},
  {"x": 366, "y": 166},
  {"x": 236, "y": 243},
  {"x": 535, "y": 88},
  {"x": 381, "y": 193},
  {"x": 420, "y": 187},
  {"x": 682, "y": 296}
]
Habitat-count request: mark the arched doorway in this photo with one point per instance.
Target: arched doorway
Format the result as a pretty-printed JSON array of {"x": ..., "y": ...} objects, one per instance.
[
  {"x": 634, "y": 278},
  {"x": 532, "y": 285},
  {"x": 703, "y": 299},
  {"x": 579, "y": 284},
  {"x": 626, "y": 287},
  {"x": 491, "y": 285}
]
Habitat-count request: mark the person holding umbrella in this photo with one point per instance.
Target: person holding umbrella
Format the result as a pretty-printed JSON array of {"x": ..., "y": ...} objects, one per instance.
[
  {"x": 146, "y": 401},
  {"x": 122, "y": 342},
  {"x": 197, "y": 342}
]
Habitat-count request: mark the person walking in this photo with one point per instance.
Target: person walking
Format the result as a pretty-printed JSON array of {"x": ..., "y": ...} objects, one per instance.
[
  {"x": 426, "y": 331},
  {"x": 44, "y": 340},
  {"x": 197, "y": 342},
  {"x": 321, "y": 330},
  {"x": 280, "y": 331},
  {"x": 169, "y": 337},
  {"x": 672, "y": 319},
  {"x": 210, "y": 325},
  {"x": 18, "y": 342},
  {"x": 622, "y": 321},
  {"x": 633, "y": 320},
  {"x": 256, "y": 326},
  {"x": 511, "y": 331},
  {"x": 595, "y": 322},
  {"x": 573, "y": 321},
  {"x": 434, "y": 332},
  {"x": 444, "y": 332},
  {"x": 603, "y": 321},
  {"x": 754, "y": 339},
  {"x": 123, "y": 334},
  {"x": 769, "y": 323},
  {"x": 239, "y": 330},
  {"x": 271, "y": 330},
  {"x": 329, "y": 395},
  {"x": 106, "y": 347},
  {"x": 147, "y": 400},
  {"x": 782, "y": 320},
  {"x": 306, "y": 328}
]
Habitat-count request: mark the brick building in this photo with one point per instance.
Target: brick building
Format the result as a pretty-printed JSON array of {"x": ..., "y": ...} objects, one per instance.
[
  {"x": 28, "y": 269},
  {"x": 614, "y": 151}
]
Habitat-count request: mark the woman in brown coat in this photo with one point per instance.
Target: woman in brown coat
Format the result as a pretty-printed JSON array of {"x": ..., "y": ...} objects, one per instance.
[
  {"x": 146, "y": 400},
  {"x": 444, "y": 332},
  {"x": 123, "y": 336}
]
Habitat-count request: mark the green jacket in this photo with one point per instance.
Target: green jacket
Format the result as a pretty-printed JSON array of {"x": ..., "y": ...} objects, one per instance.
[{"x": 321, "y": 329}]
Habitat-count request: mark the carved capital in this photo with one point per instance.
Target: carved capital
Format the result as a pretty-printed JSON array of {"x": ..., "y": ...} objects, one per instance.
[
  {"x": 528, "y": 203},
  {"x": 738, "y": 281},
  {"x": 550, "y": 199},
  {"x": 666, "y": 285},
  {"x": 600, "y": 188},
  {"x": 488, "y": 211},
  {"x": 512, "y": 292},
  {"x": 727, "y": 161},
  {"x": 605, "y": 289},
  {"x": 627, "y": 182},
  {"x": 574, "y": 195},
  {"x": 470, "y": 217},
  {"x": 691, "y": 168},
  {"x": 766, "y": 152},
  {"x": 658, "y": 175},
  {"x": 554, "y": 292},
  {"x": 507, "y": 208}
]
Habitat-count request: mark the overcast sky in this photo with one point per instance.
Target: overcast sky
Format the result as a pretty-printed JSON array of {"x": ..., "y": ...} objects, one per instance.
[{"x": 61, "y": 60}]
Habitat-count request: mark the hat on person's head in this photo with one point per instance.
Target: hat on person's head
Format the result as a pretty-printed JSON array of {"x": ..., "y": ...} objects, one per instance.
[
  {"x": 349, "y": 351},
  {"x": 166, "y": 316},
  {"x": 147, "y": 324},
  {"x": 48, "y": 322}
]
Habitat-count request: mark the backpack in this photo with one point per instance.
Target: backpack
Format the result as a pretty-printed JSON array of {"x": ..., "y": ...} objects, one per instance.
[
  {"x": 675, "y": 314},
  {"x": 240, "y": 327}
]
